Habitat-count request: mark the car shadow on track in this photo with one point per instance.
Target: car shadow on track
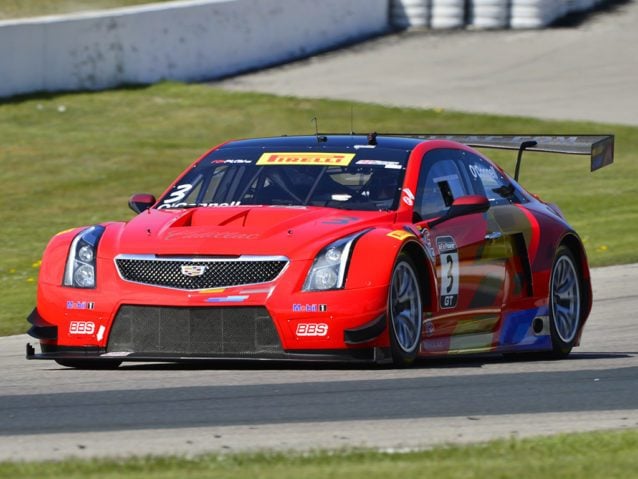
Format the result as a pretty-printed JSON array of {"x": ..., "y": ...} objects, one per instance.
[{"x": 473, "y": 361}]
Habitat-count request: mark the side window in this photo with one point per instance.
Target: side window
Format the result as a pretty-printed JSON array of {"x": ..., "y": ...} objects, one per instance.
[
  {"x": 441, "y": 181},
  {"x": 488, "y": 181}
]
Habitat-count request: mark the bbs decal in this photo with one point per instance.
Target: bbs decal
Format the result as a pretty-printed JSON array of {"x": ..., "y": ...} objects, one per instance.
[
  {"x": 449, "y": 272},
  {"x": 312, "y": 329},
  {"x": 81, "y": 327}
]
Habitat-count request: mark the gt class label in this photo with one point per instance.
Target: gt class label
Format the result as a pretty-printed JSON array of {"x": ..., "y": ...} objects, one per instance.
[
  {"x": 449, "y": 271},
  {"x": 322, "y": 159}
]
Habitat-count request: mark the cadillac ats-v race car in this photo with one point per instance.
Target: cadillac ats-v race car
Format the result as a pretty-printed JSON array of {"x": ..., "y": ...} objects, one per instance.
[{"x": 378, "y": 248}]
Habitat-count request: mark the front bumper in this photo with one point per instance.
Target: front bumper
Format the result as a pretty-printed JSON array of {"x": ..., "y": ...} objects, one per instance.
[
  {"x": 261, "y": 321},
  {"x": 178, "y": 334}
]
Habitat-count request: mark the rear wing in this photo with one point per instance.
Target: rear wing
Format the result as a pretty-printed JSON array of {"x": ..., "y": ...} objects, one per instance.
[{"x": 599, "y": 148}]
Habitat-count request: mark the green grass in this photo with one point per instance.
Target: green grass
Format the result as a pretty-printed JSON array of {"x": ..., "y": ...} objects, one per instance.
[
  {"x": 605, "y": 455},
  {"x": 74, "y": 159},
  {"x": 10, "y": 9}
]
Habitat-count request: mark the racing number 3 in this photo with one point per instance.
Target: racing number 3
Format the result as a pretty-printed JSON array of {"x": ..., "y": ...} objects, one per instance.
[{"x": 449, "y": 272}]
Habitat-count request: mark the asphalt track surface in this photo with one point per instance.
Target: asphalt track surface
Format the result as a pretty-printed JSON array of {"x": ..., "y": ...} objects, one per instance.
[
  {"x": 585, "y": 72},
  {"x": 49, "y": 412}
]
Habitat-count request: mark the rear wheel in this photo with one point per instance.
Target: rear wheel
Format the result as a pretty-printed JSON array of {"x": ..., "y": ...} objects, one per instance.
[
  {"x": 88, "y": 363},
  {"x": 405, "y": 312},
  {"x": 564, "y": 302}
]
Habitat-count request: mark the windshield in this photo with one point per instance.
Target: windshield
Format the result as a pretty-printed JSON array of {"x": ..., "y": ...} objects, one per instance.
[{"x": 366, "y": 179}]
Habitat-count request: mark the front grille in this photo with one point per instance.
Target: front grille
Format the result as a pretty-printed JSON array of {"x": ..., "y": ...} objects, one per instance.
[
  {"x": 190, "y": 274},
  {"x": 222, "y": 331}
]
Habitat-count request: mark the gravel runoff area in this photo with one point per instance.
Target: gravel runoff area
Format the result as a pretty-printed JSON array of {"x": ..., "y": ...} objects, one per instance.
[{"x": 585, "y": 71}]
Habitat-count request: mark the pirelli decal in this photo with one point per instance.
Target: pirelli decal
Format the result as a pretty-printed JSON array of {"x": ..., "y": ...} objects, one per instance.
[{"x": 313, "y": 159}]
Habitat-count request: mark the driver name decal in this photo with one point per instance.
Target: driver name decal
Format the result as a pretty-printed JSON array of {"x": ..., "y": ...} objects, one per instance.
[
  {"x": 165, "y": 206},
  {"x": 321, "y": 159}
]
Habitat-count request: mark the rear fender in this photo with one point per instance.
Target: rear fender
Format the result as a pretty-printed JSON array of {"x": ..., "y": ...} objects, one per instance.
[{"x": 573, "y": 242}]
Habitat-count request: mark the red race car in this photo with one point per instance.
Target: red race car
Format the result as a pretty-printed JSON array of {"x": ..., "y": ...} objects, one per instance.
[{"x": 378, "y": 248}]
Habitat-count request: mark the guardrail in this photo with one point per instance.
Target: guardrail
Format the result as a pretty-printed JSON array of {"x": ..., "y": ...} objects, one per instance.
[
  {"x": 483, "y": 14},
  {"x": 186, "y": 41}
]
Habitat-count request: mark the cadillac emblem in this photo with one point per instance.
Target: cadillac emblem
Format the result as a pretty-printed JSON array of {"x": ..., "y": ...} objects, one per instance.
[{"x": 193, "y": 270}]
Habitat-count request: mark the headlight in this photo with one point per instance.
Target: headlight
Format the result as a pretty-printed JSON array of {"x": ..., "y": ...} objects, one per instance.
[
  {"x": 330, "y": 265},
  {"x": 80, "y": 264}
]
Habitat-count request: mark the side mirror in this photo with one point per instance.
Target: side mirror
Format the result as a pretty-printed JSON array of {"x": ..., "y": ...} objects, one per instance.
[
  {"x": 141, "y": 202},
  {"x": 465, "y": 205}
]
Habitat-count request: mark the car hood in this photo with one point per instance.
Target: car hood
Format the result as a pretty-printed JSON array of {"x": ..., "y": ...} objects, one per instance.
[{"x": 261, "y": 230}]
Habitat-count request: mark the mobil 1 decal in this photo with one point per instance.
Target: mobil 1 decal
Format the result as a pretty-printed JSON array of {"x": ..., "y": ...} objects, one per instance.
[{"x": 449, "y": 273}]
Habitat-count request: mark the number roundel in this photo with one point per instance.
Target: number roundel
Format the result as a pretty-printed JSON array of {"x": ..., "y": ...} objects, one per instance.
[{"x": 449, "y": 272}]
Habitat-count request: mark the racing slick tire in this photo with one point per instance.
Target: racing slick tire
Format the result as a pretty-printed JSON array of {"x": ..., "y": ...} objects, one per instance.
[
  {"x": 88, "y": 364},
  {"x": 565, "y": 303},
  {"x": 404, "y": 312}
]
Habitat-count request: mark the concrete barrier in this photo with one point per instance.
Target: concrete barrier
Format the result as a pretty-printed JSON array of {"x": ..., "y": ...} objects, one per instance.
[{"x": 186, "y": 41}]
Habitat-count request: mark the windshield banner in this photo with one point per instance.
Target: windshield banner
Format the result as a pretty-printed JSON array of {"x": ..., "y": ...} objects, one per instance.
[{"x": 316, "y": 159}]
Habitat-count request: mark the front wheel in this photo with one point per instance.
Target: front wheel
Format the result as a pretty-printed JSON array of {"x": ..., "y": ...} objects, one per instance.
[
  {"x": 564, "y": 303},
  {"x": 405, "y": 312}
]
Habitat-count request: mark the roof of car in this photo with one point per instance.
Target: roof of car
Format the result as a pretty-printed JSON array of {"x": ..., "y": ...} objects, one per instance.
[{"x": 324, "y": 141}]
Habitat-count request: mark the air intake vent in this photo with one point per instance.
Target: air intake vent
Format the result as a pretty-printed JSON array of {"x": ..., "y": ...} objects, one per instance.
[{"x": 204, "y": 331}]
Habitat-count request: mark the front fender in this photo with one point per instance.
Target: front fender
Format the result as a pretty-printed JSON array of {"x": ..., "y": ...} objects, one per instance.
[
  {"x": 55, "y": 255},
  {"x": 374, "y": 256}
]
